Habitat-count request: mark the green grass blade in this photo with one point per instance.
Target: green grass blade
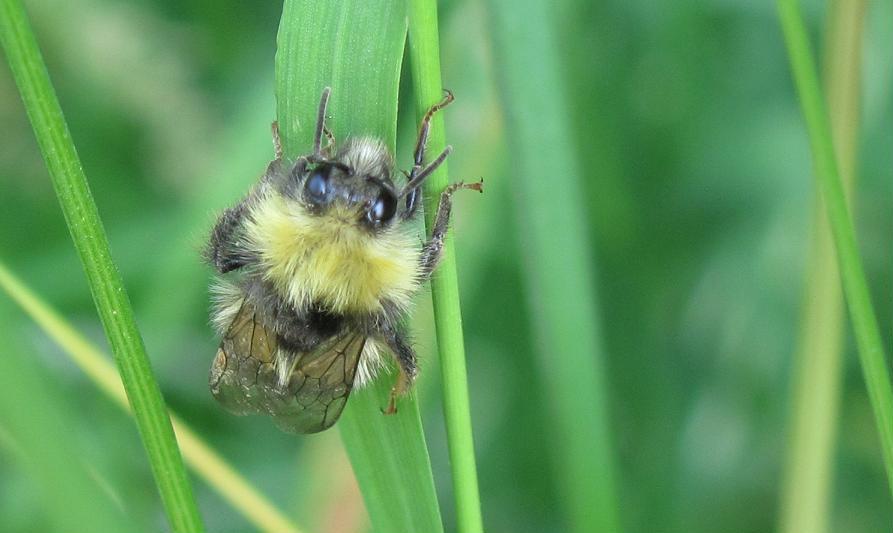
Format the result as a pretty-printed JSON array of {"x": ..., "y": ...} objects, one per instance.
[
  {"x": 105, "y": 282},
  {"x": 390, "y": 461},
  {"x": 855, "y": 286},
  {"x": 356, "y": 48},
  {"x": 806, "y": 494},
  {"x": 219, "y": 475},
  {"x": 558, "y": 270},
  {"x": 424, "y": 52}
]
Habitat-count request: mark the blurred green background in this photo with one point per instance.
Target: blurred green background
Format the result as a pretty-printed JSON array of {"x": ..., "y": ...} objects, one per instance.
[{"x": 699, "y": 197}]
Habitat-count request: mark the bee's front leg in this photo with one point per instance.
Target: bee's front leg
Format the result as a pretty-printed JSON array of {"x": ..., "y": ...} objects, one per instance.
[
  {"x": 432, "y": 251},
  {"x": 277, "y": 140},
  {"x": 412, "y": 191}
]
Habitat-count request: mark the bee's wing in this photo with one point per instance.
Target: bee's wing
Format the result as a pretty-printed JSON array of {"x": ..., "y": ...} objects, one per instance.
[{"x": 304, "y": 392}]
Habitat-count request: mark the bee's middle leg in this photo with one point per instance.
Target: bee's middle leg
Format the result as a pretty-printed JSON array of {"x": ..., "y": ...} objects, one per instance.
[{"x": 432, "y": 251}]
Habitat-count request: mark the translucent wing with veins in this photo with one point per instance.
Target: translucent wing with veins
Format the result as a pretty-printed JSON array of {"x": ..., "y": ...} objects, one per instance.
[{"x": 304, "y": 392}]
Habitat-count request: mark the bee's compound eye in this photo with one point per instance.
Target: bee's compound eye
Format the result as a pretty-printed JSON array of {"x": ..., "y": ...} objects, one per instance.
[
  {"x": 383, "y": 208},
  {"x": 316, "y": 188}
]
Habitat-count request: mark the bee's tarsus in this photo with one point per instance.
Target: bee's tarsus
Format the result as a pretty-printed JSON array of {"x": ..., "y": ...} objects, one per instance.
[
  {"x": 277, "y": 140},
  {"x": 445, "y": 101},
  {"x": 321, "y": 121},
  {"x": 330, "y": 139},
  {"x": 476, "y": 186}
]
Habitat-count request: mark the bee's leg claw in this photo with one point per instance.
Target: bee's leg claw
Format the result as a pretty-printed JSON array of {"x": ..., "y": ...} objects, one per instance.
[
  {"x": 321, "y": 122},
  {"x": 391, "y": 409}
]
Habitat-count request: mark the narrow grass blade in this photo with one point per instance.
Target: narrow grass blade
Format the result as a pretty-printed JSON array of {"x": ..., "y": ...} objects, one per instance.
[
  {"x": 424, "y": 52},
  {"x": 356, "y": 48},
  {"x": 855, "y": 286},
  {"x": 105, "y": 282},
  {"x": 806, "y": 494},
  {"x": 219, "y": 475},
  {"x": 558, "y": 268}
]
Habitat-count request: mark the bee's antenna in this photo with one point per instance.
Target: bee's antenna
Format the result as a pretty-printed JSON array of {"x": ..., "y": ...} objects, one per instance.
[
  {"x": 321, "y": 121},
  {"x": 425, "y": 172}
]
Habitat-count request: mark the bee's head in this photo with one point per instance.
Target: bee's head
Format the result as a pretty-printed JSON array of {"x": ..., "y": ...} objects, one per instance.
[{"x": 354, "y": 186}]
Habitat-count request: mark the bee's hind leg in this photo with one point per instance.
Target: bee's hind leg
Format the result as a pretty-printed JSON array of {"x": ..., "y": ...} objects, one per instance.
[
  {"x": 432, "y": 251},
  {"x": 406, "y": 360}
]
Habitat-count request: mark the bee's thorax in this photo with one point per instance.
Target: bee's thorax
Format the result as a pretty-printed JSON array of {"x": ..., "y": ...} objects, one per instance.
[{"x": 330, "y": 259}]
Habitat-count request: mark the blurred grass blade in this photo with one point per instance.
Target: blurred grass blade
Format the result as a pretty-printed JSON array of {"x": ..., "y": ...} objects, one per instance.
[
  {"x": 37, "y": 435},
  {"x": 806, "y": 494},
  {"x": 558, "y": 268},
  {"x": 424, "y": 52},
  {"x": 228, "y": 483},
  {"x": 855, "y": 286},
  {"x": 356, "y": 48},
  {"x": 105, "y": 282}
]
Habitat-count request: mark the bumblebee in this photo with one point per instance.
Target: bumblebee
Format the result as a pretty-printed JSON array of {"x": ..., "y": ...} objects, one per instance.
[{"x": 321, "y": 267}]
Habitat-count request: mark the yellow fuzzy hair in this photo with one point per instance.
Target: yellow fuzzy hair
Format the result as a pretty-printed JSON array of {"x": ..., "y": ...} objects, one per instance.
[{"x": 328, "y": 259}]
